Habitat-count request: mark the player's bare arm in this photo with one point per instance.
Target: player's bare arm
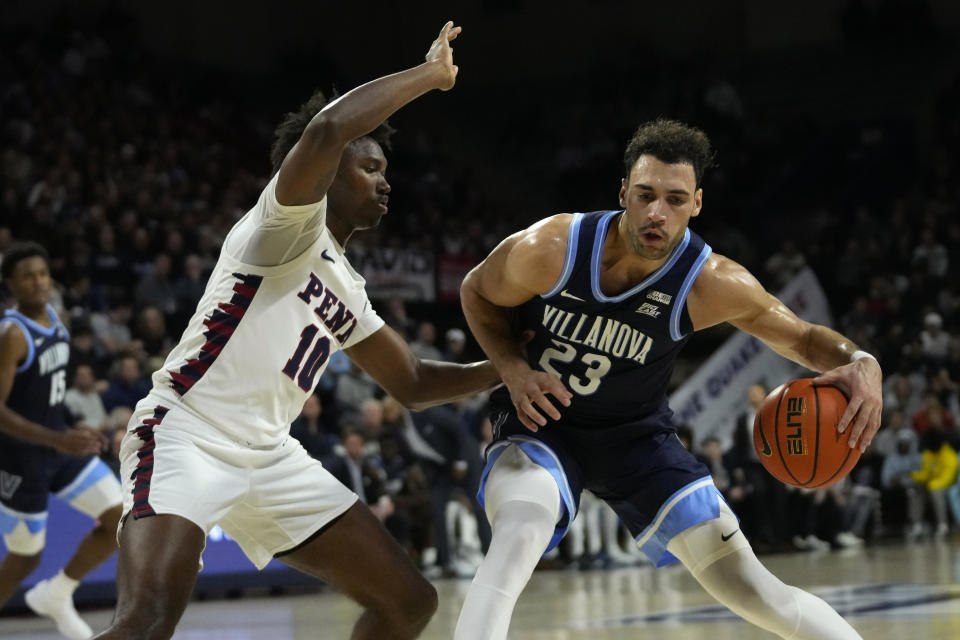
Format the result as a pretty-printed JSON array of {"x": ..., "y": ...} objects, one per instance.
[
  {"x": 727, "y": 292},
  {"x": 310, "y": 167},
  {"x": 415, "y": 382},
  {"x": 524, "y": 265},
  {"x": 81, "y": 441}
]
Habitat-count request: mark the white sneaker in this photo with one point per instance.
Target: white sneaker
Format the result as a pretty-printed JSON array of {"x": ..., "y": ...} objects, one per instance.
[
  {"x": 942, "y": 530},
  {"x": 816, "y": 544},
  {"x": 848, "y": 539},
  {"x": 44, "y": 602}
]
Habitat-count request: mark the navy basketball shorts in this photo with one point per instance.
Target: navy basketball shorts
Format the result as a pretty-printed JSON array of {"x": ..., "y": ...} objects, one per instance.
[
  {"x": 657, "y": 487},
  {"x": 29, "y": 474}
]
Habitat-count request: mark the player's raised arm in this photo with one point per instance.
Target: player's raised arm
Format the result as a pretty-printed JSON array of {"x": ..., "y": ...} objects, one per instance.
[
  {"x": 727, "y": 292},
  {"x": 311, "y": 165},
  {"x": 524, "y": 265},
  {"x": 82, "y": 441}
]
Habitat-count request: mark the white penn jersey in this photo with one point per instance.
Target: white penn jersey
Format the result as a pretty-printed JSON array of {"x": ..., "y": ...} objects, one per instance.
[{"x": 266, "y": 325}]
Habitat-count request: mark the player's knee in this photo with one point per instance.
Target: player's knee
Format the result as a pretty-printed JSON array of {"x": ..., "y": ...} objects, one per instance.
[
  {"x": 413, "y": 606},
  {"x": 110, "y": 519},
  {"x": 530, "y": 536}
]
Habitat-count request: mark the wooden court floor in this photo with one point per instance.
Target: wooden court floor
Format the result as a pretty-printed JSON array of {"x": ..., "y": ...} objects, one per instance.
[{"x": 902, "y": 592}]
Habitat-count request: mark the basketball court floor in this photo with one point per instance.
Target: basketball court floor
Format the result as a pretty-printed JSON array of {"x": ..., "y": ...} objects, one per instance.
[{"x": 901, "y": 592}]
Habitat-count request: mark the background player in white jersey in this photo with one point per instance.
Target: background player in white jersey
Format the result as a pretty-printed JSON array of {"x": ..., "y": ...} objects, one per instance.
[
  {"x": 210, "y": 442},
  {"x": 640, "y": 274},
  {"x": 39, "y": 453}
]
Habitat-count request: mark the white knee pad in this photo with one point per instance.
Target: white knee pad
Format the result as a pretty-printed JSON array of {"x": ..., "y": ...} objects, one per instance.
[
  {"x": 515, "y": 476},
  {"x": 701, "y": 545}
]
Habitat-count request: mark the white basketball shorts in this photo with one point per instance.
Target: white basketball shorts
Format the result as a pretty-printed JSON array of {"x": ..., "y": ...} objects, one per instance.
[{"x": 268, "y": 500}]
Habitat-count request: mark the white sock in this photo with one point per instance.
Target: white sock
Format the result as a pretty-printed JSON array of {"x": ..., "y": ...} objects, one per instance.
[
  {"x": 521, "y": 533},
  {"x": 63, "y": 585}
]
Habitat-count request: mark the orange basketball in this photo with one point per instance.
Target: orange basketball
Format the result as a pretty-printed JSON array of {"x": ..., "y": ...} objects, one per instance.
[{"x": 795, "y": 435}]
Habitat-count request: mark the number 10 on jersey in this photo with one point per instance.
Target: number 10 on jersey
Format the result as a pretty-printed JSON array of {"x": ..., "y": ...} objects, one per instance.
[{"x": 308, "y": 370}]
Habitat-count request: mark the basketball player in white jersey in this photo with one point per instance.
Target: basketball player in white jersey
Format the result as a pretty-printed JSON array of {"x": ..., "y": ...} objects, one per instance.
[{"x": 210, "y": 445}]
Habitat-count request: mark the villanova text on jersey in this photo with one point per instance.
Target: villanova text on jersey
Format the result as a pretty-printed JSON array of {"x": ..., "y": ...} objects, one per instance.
[
  {"x": 40, "y": 383},
  {"x": 614, "y": 353}
]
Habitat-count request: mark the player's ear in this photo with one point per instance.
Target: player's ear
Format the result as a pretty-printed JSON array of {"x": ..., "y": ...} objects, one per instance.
[
  {"x": 697, "y": 203},
  {"x": 623, "y": 193}
]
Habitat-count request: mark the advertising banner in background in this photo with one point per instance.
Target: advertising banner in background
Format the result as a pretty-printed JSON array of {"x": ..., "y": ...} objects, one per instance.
[
  {"x": 396, "y": 273},
  {"x": 712, "y": 400}
]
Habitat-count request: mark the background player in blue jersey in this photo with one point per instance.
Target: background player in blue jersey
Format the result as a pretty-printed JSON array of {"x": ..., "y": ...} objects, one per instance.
[
  {"x": 39, "y": 453},
  {"x": 612, "y": 296}
]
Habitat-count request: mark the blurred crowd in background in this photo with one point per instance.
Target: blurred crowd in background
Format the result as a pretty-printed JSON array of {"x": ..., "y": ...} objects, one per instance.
[{"x": 131, "y": 176}]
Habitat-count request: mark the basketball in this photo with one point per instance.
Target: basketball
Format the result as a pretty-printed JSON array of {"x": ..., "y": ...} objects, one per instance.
[{"x": 795, "y": 435}]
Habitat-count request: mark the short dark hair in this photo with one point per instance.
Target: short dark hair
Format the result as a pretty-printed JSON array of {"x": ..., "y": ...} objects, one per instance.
[
  {"x": 18, "y": 252},
  {"x": 293, "y": 124},
  {"x": 671, "y": 142},
  {"x": 348, "y": 429}
]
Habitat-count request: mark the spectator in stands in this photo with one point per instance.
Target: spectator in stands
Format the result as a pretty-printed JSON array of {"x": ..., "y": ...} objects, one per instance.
[
  {"x": 153, "y": 335},
  {"x": 354, "y": 387},
  {"x": 899, "y": 492},
  {"x": 935, "y": 341},
  {"x": 112, "y": 329},
  {"x": 425, "y": 344},
  {"x": 785, "y": 264},
  {"x": 931, "y": 256},
  {"x": 442, "y": 447},
  {"x": 310, "y": 429},
  {"x": 394, "y": 314},
  {"x": 711, "y": 454},
  {"x": 83, "y": 401},
  {"x": 937, "y": 474},
  {"x": 454, "y": 342},
  {"x": 933, "y": 416},
  {"x": 350, "y": 465},
  {"x": 127, "y": 387},
  {"x": 901, "y": 394},
  {"x": 885, "y": 442},
  {"x": 155, "y": 288},
  {"x": 189, "y": 289},
  {"x": 82, "y": 351}
]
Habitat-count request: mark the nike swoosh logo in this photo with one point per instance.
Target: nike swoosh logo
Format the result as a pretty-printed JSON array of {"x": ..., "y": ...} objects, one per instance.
[
  {"x": 564, "y": 294},
  {"x": 323, "y": 254},
  {"x": 727, "y": 537}
]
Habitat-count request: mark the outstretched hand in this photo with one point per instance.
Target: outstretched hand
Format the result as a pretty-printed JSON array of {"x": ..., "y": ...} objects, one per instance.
[
  {"x": 862, "y": 381},
  {"x": 441, "y": 51},
  {"x": 528, "y": 391}
]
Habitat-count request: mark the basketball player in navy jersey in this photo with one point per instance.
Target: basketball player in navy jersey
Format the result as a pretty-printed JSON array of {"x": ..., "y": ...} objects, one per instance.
[
  {"x": 612, "y": 296},
  {"x": 39, "y": 454},
  {"x": 210, "y": 443}
]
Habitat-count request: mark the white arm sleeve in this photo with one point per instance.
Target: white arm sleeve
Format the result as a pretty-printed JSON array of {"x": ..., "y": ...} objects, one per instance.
[{"x": 271, "y": 233}]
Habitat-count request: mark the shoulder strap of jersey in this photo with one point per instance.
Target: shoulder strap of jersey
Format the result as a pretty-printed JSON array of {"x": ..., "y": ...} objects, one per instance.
[{"x": 12, "y": 317}]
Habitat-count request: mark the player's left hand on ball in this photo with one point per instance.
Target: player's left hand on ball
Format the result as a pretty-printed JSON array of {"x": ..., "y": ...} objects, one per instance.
[
  {"x": 441, "y": 51},
  {"x": 862, "y": 381}
]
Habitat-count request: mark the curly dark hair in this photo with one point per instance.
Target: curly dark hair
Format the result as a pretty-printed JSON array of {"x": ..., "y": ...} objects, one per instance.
[
  {"x": 291, "y": 128},
  {"x": 18, "y": 252},
  {"x": 671, "y": 142}
]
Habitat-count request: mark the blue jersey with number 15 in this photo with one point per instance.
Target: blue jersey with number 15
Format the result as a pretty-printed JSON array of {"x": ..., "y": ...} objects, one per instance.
[
  {"x": 40, "y": 383},
  {"x": 615, "y": 353}
]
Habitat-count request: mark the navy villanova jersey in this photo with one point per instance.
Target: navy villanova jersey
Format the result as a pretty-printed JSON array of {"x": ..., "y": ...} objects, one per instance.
[
  {"x": 40, "y": 383},
  {"x": 614, "y": 353}
]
